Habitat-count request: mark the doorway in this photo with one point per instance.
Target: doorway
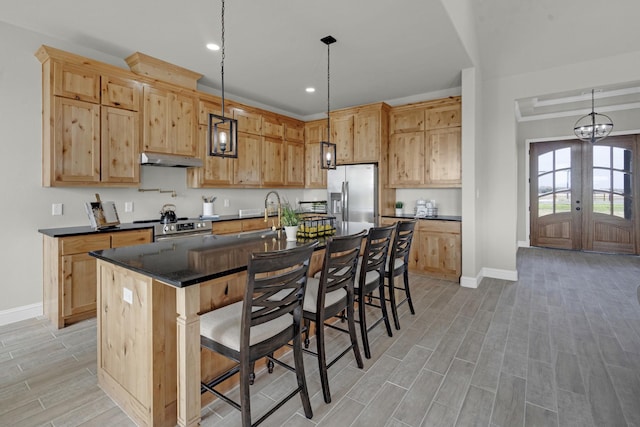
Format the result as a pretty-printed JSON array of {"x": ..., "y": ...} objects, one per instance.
[{"x": 585, "y": 196}]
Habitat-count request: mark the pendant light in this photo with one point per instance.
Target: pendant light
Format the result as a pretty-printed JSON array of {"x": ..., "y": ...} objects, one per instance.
[
  {"x": 222, "y": 132},
  {"x": 327, "y": 149},
  {"x": 593, "y": 127}
]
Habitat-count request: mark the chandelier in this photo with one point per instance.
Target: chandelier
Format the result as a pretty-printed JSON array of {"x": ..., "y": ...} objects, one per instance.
[
  {"x": 327, "y": 149},
  {"x": 222, "y": 132},
  {"x": 593, "y": 127}
]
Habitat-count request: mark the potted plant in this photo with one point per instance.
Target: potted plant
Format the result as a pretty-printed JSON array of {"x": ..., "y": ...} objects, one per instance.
[
  {"x": 290, "y": 221},
  {"x": 399, "y": 206}
]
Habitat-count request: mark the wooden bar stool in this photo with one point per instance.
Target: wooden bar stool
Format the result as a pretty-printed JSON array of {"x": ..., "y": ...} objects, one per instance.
[
  {"x": 261, "y": 324},
  {"x": 398, "y": 265},
  {"x": 331, "y": 294},
  {"x": 370, "y": 277}
]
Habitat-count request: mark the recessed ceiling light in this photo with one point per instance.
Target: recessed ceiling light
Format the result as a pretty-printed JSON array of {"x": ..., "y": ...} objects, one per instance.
[
  {"x": 310, "y": 89},
  {"x": 213, "y": 46}
]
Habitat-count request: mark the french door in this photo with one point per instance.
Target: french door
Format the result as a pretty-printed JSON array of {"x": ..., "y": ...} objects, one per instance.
[{"x": 585, "y": 196}]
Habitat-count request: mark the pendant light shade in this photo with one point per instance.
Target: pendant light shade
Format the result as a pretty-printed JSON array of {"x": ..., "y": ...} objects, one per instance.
[
  {"x": 328, "y": 149},
  {"x": 222, "y": 132},
  {"x": 593, "y": 127}
]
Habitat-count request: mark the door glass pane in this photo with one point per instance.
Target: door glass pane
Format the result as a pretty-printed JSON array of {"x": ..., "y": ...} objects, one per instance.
[
  {"x": 619, "y": 182},
  {"x": 601, "y": 156},
  {"x": 563, "y": 202},
  {"x": 620, "y": 157},
  {"x": 545, "y": 205},
  {"x": 601, "y": 179},
  {"x": 545, "y": 184},
  {"x": 563, "y": 180},
  {"x": 545, "y": 162},
  {"x": 563, "y": 158},
  {"x": 622, "y": 206},
  {"x": 601, "y": 202}
]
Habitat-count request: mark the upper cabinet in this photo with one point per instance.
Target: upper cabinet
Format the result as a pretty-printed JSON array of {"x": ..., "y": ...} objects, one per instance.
[
  {"x": 425, "y": 145},
  {"x": 91, "y": 124},
  {"x": 169, "y": 122},
  {"x": 314, "y": 132}
]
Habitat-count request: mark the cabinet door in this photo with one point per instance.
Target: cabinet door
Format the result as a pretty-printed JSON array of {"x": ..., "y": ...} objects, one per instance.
[
  {"x": 315, "y": 176},
  {"x": 227, "y": 227},
  {"x": 182, "y": 124},
  {"x": 366, "y": 142},
  {"x": 294, "y": 131},
  {"x": 248, "y": 121},
  {"x": 273, "y": 162},
  {"x": 247, "y": 167},
  {"x": 407, "y": 120},
  {"x": 342, "y": 136},
  {"x": 440, "y": 254},
  {"x": 295, "y": 164},
  {"x": 76, "y": 82},
  {"x": 272, "y": 127},
  {"x": 406, "y": 159},
  {"x": 120, "y": 153},
  {"x": 256, "y": 224},
  {"x": 156, "y": 117},
  {"x": 79, "y": 284},
  {"x": 443, "y": 158},
  {"x": 215, "y": 171},
  {"x": 121, "y": 93},
  {"x": 76, "y": 145},
  {"x": 315, "y": 132},
  {"x": 444, "y": 117}
]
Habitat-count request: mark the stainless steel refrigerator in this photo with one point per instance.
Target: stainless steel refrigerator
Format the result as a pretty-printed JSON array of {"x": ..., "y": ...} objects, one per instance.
[{"x": 353, "y": 193}]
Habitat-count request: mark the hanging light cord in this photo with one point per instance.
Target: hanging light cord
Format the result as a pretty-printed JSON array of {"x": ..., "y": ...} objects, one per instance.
[
  {"x": 222, "y": 60},
  {"x": 328, "y": 90}
]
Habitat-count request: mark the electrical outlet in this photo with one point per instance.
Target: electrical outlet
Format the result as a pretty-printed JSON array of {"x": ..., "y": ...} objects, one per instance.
[
  {"x": 226, "y": 203},
  {"x": 297, "y": 201},
  {"x": 128, "y": 206},
  {"x": 127, "y": 295},
  {"x": 56, "y": 209}
]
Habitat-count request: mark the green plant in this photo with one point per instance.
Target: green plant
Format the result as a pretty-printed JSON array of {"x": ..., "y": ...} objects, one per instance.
[
  {"x": 399, "y": 205},
  {"x": 289, "y": 216}
]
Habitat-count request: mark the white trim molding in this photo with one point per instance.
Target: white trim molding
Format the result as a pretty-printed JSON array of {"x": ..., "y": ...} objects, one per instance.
[
  {"x": 497, "y": 273},
  {"x": 470, "y": 282},
  {"x": 20, "y": 313}
]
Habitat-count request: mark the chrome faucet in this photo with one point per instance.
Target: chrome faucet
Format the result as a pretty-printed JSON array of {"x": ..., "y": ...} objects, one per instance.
[{"x": 266, "y": 209}]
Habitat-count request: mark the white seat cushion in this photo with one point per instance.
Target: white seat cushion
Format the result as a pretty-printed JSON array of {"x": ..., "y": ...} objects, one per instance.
[
  {"x": 223, "y": 326},
  {"x": 370, "y": 277},
  {"x": 397, "y": 263},
  {"x": 311, "y": 296}
]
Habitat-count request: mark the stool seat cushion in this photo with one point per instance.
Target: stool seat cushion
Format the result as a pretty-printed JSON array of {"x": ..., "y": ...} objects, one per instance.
[
  {"x": 370, "y": 277},
  {"x": 223, "y": 325},
  {"x": 397, "y": 263},
  {"x": 311, "y": 296}
]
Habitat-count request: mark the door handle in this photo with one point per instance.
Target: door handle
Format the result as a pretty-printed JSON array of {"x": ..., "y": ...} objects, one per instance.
[{"x": 578, "y": 208}]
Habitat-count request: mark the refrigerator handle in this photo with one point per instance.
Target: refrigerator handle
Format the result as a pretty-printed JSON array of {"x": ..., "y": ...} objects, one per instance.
[{"x": 345, "y": 201}]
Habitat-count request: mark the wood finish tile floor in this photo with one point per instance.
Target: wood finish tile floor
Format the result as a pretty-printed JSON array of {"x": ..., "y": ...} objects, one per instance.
[{"x": 559, "y": 347}]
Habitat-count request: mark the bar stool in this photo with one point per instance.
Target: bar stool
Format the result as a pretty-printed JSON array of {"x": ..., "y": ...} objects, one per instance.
[
  {"x": 331, "y": 294},
  {"x": 260, "y": 324},
  {"x": 370, "y": 276},
  {"x": 398, "y": 264}
]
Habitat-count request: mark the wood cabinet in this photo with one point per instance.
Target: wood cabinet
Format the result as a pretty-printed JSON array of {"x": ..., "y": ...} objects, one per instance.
[
  {"x": 91, "y": 126},
  {"x": 240, "y": 225},
  {"x": 436, "y": 249},
  {"x": 342, "y": 136},
  {"x": 247, "y": 170},
  {"x": 273, "y": 162},
  {"x": 70, "y": 273},
  {"x": 169, "y": 122},
  {"x": 314, "y": 132},
  {"x": 425, "y": 148},
  {"x": 294, "y": 151}
]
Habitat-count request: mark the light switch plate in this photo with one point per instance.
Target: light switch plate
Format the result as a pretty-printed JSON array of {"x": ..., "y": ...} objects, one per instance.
[
  {"x": 56, "y": 209},
  {"x": 127, "y": 295},
  {"x": 128, "y": 206}
]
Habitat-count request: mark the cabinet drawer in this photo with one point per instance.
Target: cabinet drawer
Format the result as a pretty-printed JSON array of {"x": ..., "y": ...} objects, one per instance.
[
  {"x": 256, "y": 224},
  {"x": 439, "y": 226},
  {"x": 227, "y": 227},
  {"x": 130, "y": 238},
  {"x": 85, "y": 243}
]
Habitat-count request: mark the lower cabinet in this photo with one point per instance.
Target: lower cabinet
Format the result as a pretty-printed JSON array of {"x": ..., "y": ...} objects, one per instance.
[
  {"x": 69, "y": 292},
  {"x": 240, "y": 225},
  {"x": 436, "y": 249}
]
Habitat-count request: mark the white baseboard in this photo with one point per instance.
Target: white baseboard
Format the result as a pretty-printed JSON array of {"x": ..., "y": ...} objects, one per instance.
[
  {"x": 20, "y": 313},
  {"x": 470, "y": 282},
  {"x": 523, "y": 244},
  {"x": 497, "y": 273}
]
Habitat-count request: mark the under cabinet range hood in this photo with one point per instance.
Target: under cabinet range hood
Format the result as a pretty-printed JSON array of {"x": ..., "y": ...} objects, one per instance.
[{"x": 169, "y": 160}]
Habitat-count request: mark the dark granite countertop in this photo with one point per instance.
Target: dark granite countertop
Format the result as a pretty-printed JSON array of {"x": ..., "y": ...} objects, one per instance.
[
  {"x": 431, "y": 218},
  {"x": 187, "y": 261}
]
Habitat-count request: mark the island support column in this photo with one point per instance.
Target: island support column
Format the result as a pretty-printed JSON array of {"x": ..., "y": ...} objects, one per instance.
[{"x": 188, "y": 360}]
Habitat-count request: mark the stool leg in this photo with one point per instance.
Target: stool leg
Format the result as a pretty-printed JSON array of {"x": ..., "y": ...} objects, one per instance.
[
  {"x": 392, "y": 299},
  {"x": 302, "y": 380},
  {"x": 363, "y": 328},
  {"x": 407, "y": 290},
  {"x": 322, "y": 361},
  {"x": 383, "y": 306},
  {"x": 245, "y": 400},
  {"x": 352, "y": 334}
]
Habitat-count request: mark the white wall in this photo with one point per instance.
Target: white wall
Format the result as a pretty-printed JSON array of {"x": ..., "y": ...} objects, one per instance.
[
  {"x": 498, "y": 172},
  {"x": 27, "y": 204}
]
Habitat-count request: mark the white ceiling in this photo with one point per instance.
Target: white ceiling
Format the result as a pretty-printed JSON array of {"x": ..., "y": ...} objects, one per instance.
[{"x": 385, "y": 50}]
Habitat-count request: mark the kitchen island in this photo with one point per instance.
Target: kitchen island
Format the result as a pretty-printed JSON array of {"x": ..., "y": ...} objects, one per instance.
[{"x": 149, "y": 300}]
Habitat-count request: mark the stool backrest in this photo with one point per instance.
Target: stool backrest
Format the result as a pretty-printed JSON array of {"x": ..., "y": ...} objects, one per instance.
[
  {"x": 402, "y": 241},
  {"x": 269, "y": 273},
  {"x": 339, "y": 266},
  {"x": 375, "y": 253}
]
